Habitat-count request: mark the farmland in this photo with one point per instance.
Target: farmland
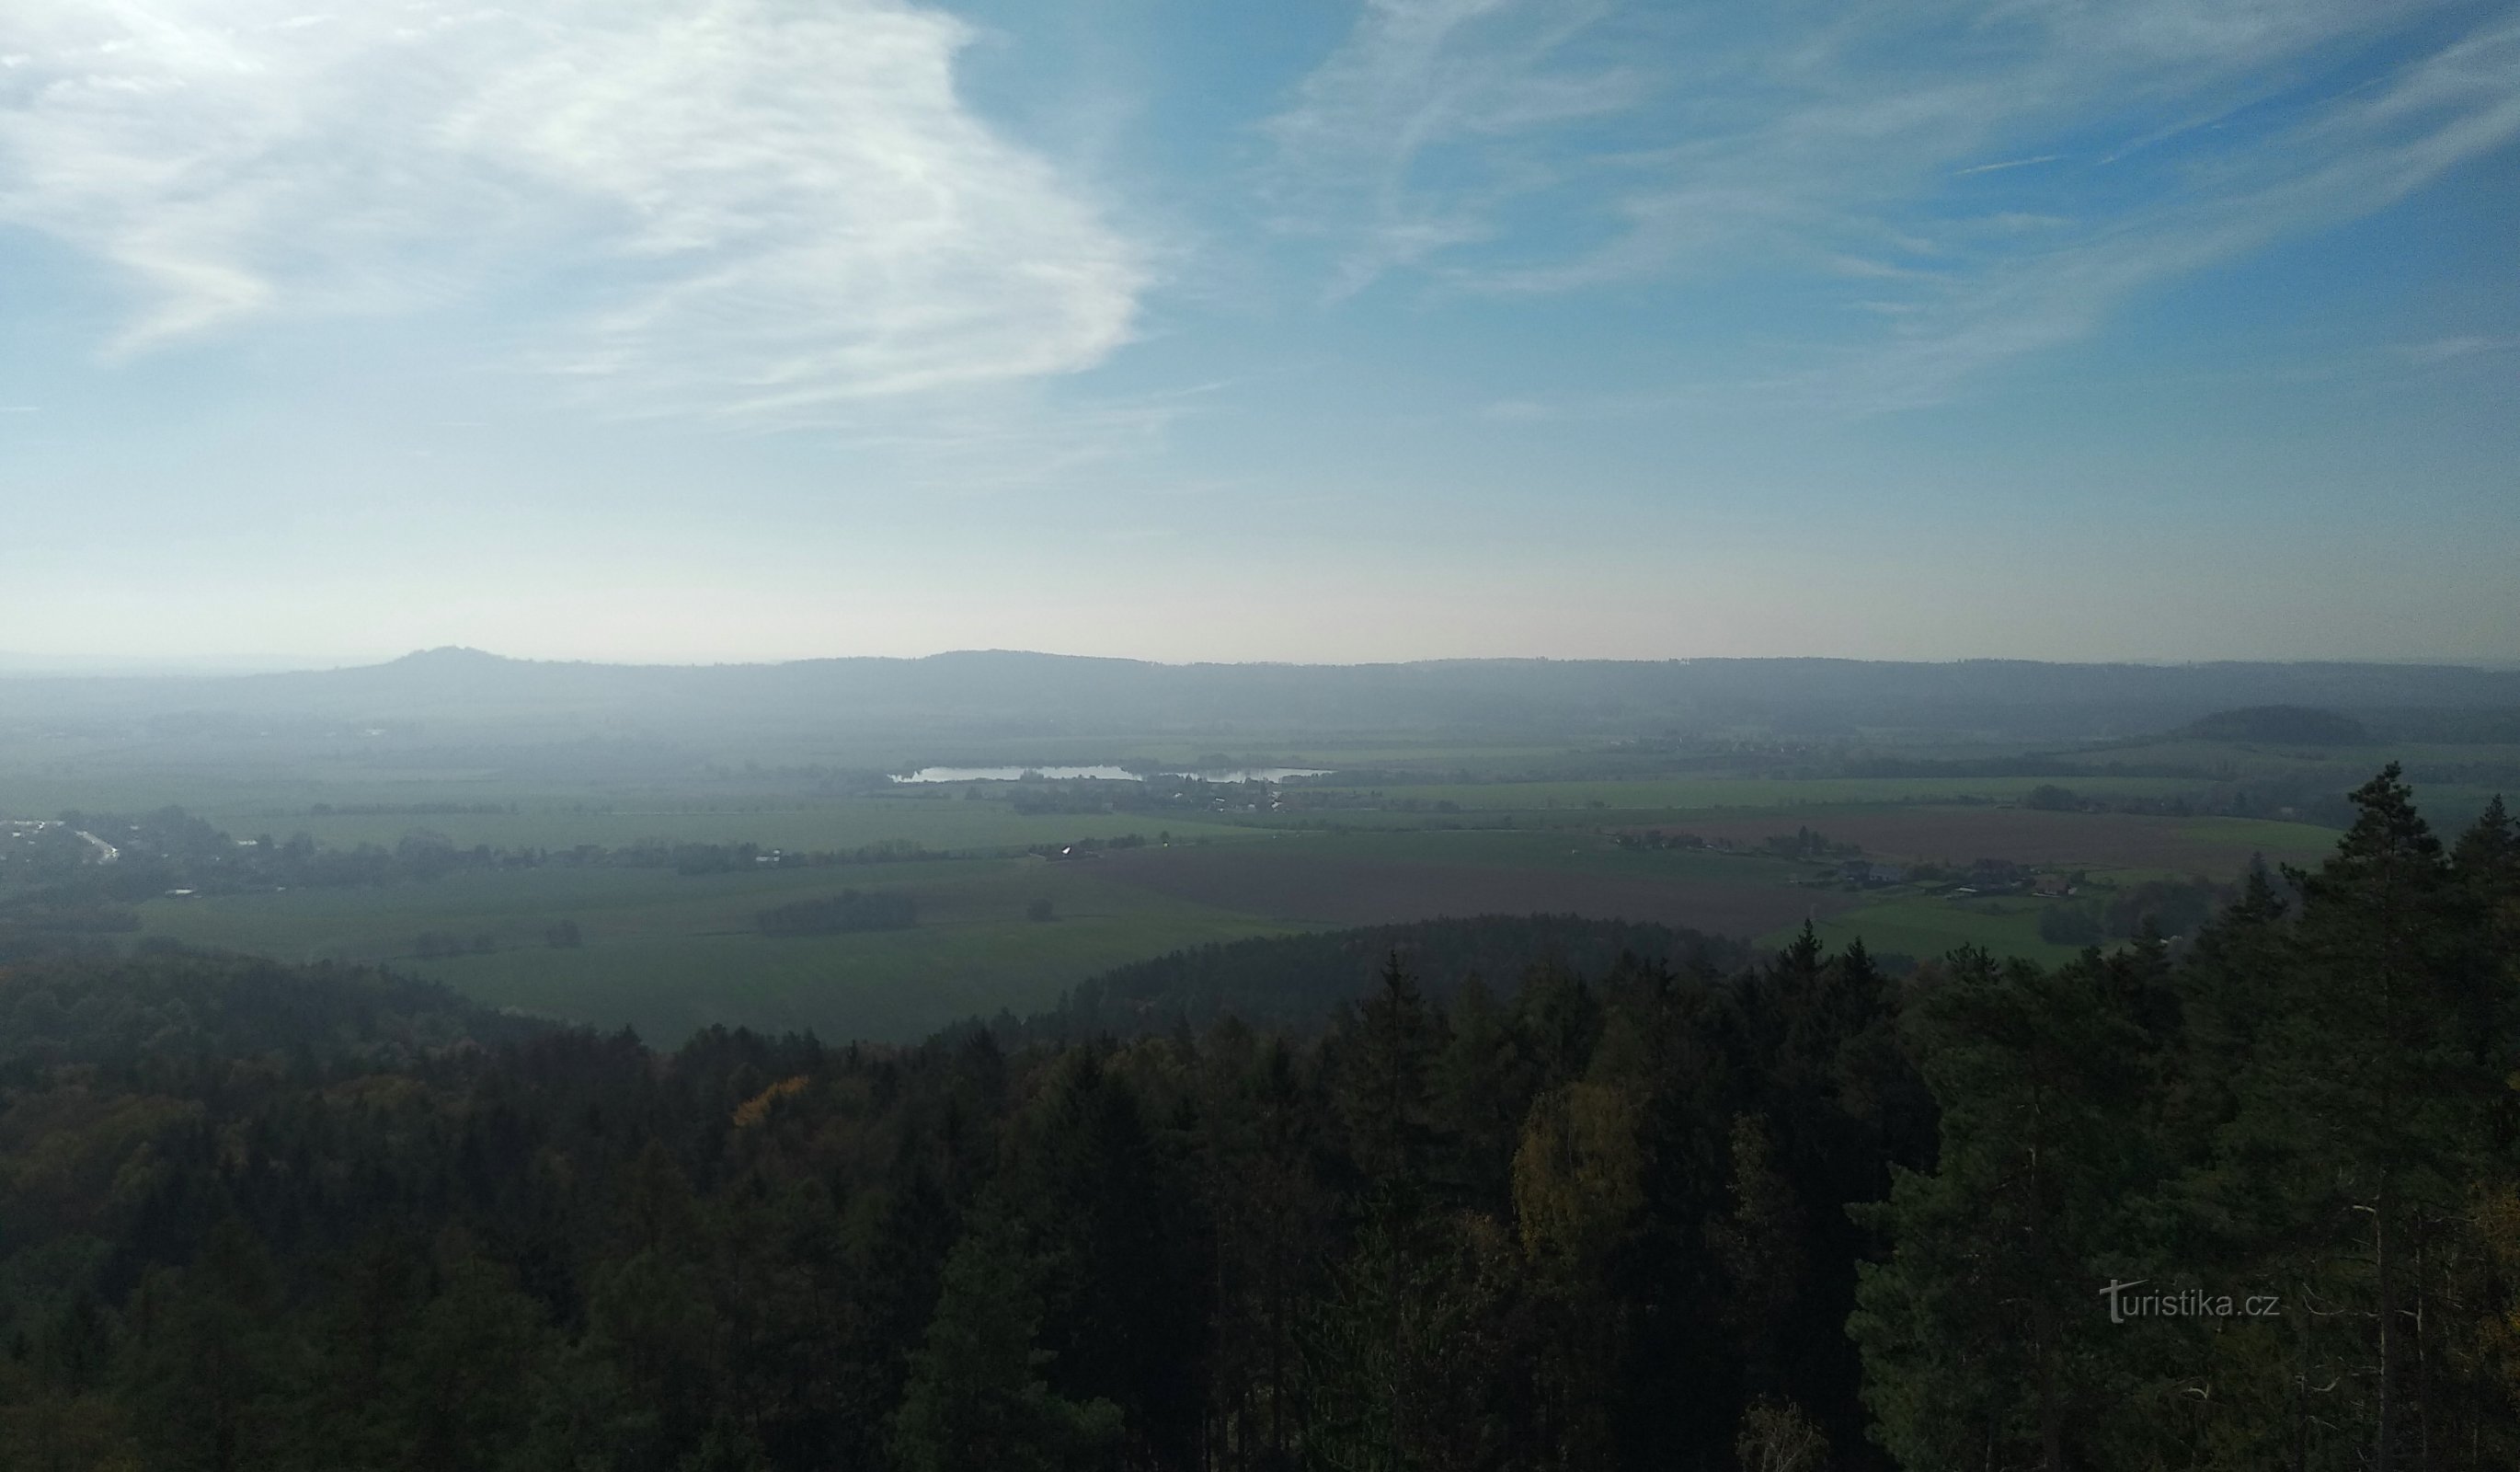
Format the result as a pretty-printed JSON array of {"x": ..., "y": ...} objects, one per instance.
[
  {"x": 520, "y": 833},
  {"x": 668, "y": 952},
  {"x": 1761, "y": 795},
  {"x": 2217, "y": 846},
  {"x": 1926, "y": 926},
  {"x": 1339, "y": 881}
]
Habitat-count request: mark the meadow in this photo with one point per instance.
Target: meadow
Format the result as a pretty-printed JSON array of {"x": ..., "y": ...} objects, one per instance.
[
  {"x": 668, "y": 953},
  {"x": 836, "y": 824},
  {"x": 1412, "y": 825},
  {"x": 1765, "y": 795},
  {"x": 1918, "y": 926}
]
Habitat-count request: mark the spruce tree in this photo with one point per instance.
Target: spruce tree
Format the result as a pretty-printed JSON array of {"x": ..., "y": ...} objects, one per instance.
[
  {"x": 1385, "y": 1059},
  {"x": 1981, "y": 1334},
  {"x": 976, "y": 1399},
  {"x": 2369, "y": 1087}
]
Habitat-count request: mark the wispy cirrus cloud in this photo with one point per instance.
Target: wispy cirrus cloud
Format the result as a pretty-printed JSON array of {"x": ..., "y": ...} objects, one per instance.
[
  {"x": 2003, "y": 165},
  {"x": 2337, "y": 160},
  {"x": 1895, "y": 146},
  {"x": 1453, "y": 88},
  {"x": 728, "y": 208},
  {"x": 2453, "y": 349}
]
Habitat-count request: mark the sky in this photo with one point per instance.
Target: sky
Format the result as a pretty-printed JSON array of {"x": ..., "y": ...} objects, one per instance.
[{"x": 710, "y": 330}]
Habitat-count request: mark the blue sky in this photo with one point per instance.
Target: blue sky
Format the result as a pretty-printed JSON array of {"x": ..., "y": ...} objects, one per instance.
[{"x": 755, "y": 329}]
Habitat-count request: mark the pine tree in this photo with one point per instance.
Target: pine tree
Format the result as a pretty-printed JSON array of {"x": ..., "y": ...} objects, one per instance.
[
  {"x": 1116, "y": 1222},
  {"x": 1980, "y": 1334},
  {"x": 475, "y": 1364},
  {"x": 1272, "y": 1238},
  {"x": 211, "y": 1360},
  {"x": 1482, "y": 1088},
  {"x": 1385, "y": 1059},
  {"x": 1762, "y": 1248},
  {"x": 2367, "y": 1085},
  {"x": 976, "y": 1399}
]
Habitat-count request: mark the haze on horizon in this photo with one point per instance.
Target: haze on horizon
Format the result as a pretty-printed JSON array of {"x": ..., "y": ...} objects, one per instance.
[{"x": 734, "y": 330}]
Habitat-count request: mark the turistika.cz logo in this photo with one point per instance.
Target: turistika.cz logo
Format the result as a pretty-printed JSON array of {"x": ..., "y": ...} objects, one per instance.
[{"x": 2185, "y": 1302}]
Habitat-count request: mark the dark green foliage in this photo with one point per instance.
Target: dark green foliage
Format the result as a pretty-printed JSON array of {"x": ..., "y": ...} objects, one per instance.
[
  {"x": 162, "y": 1011},
  {"x": 1612, "y": 1214},
  {"x": 2295, "y": 725},
  {"x": 1967, "y": 1331},
  {"x": 1383, "y": 1062},
  {"x": 2048, "y": 797},
  {"x": 425, "y": 1236},
  {"x": 976, "y": 1401},
  {"x": 2071, "y": 925},
  {"x": 2306, "y": 1127},
  {"x": 208, "y": 1359},
  {"x": 2171, "y": 907},
  {"x": 1112, "y": 1210},
  {"x": 1296, "y": 981}
]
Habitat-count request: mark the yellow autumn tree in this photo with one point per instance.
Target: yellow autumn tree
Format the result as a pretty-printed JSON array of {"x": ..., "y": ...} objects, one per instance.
[
  {"x": 756, "y": 1109},
  {"x": 1579, "y": 1172}
]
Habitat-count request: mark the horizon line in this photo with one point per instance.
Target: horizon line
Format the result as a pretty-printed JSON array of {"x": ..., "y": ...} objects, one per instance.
[{"x": 22, "y": 665}]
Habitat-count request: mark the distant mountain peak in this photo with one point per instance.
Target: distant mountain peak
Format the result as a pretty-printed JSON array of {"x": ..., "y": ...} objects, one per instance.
[{"x": 446, "y": 654}]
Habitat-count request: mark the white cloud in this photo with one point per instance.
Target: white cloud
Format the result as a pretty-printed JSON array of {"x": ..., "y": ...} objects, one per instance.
[
  {"x": 740, "y": 207},
  {"x": 1888, "y": 144},
  {"x": 2347, "y": 158},
  {"x": 2452, "y": 350},
  {"x": 1456, "y": 81},
  {"x": 1997, "y": 167}
]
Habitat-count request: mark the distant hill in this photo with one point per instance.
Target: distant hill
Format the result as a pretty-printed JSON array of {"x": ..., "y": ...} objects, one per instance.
[
  {"x": 2286, "y": 725},
  {"x": 177, "y": 1006},
  {"x": 998, "y": 696}
]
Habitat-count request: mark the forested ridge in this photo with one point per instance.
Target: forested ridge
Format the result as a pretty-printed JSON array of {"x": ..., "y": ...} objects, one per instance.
[
  {"x": 1644, "y": 1210},
  {"x": 463, "y": 702}
]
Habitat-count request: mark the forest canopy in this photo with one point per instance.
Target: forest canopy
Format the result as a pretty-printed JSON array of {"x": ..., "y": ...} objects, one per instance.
[{"x": 2254, "y": 1205}]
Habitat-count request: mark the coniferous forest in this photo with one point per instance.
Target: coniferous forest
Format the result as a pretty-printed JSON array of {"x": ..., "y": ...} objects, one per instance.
[{"x": 2248, "y": 1200}]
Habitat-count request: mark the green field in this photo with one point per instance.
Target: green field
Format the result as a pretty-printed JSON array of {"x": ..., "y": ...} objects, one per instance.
[
  {"x": 667, "y": 953},
  {"x": 1582, "y": 850},
  {"x": 2280, "y": 842},
  {"x": 833, "y": 824},
  {"x": 1926, "y": 927},
  {"x": 608, "y": 817}
]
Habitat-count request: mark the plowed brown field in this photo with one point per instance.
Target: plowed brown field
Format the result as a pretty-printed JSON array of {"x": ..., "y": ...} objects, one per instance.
[{"x": 1958, "y": 835}]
